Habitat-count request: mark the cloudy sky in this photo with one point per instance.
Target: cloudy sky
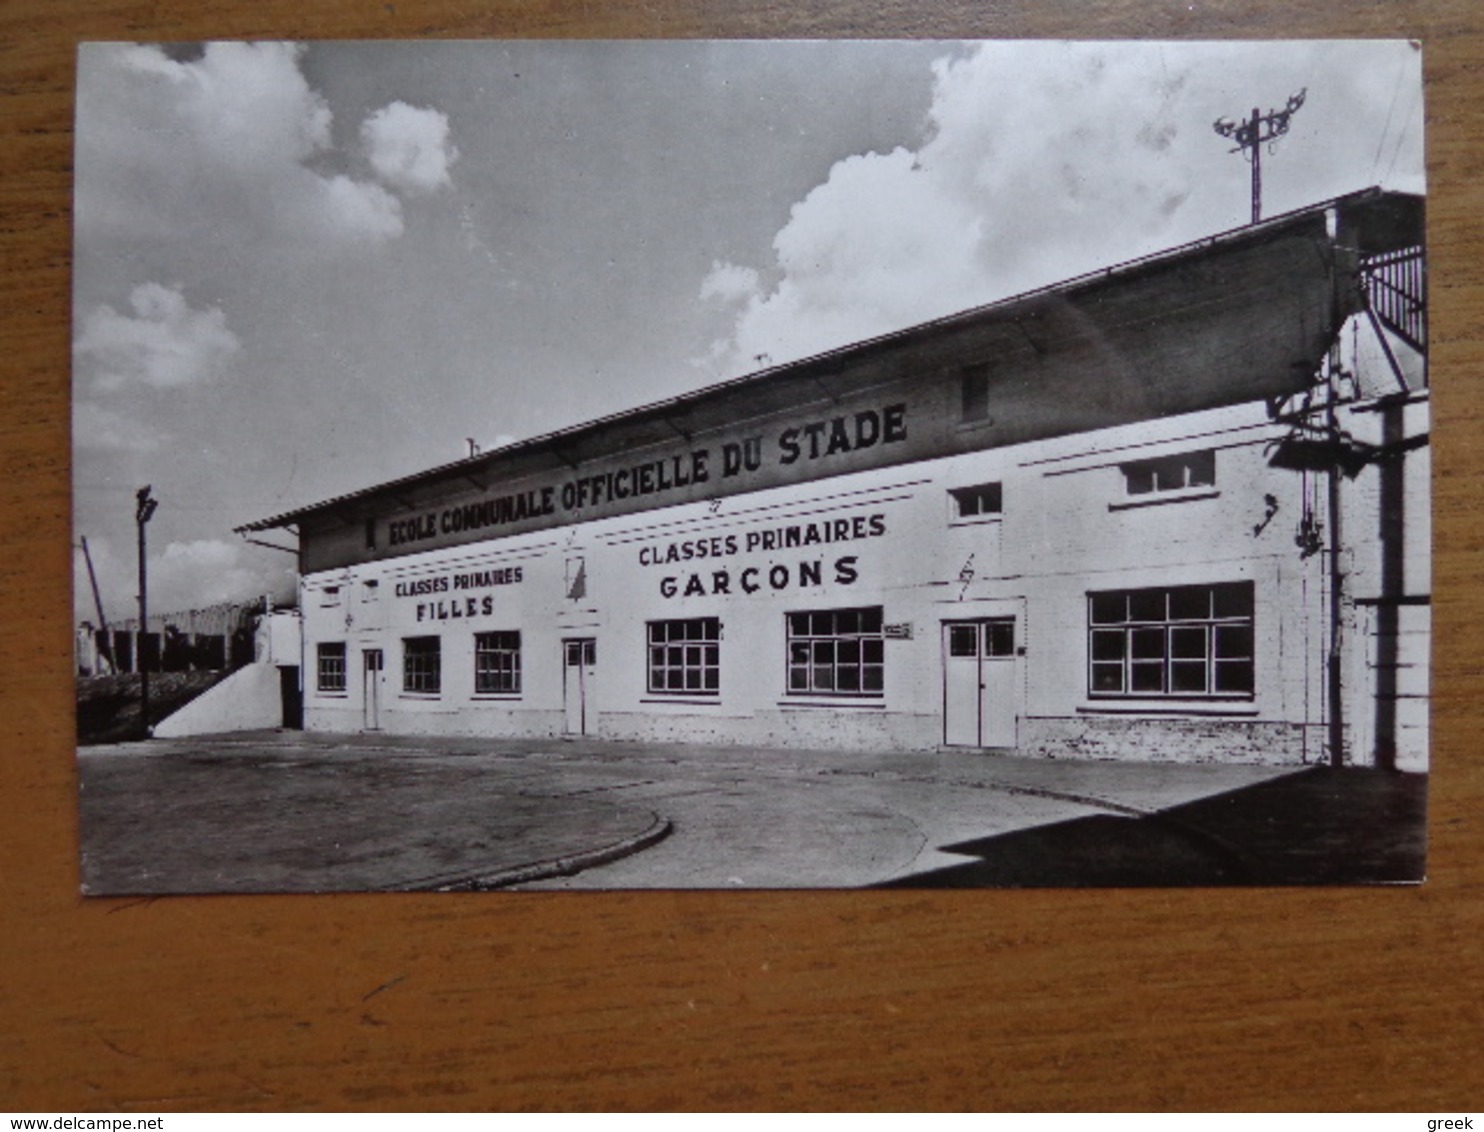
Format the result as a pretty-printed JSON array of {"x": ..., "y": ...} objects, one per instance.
[{"x": 304, "y": 269}]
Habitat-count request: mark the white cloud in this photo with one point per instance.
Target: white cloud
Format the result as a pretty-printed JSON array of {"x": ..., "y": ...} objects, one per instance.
[
  {"x": 101, "y": 429},
  {"x": 361, "y": 207},
  {"x": 186, "y": 575},
  {"x": 235, "y": 142},
  {"x": 1042, "y": 161},
  {"x": 248, "y": 102},
  {"x": 164, "y": 344},
  {"x": 729, "y": 282},
  {"x": 409, "y": 148},
  {"x": 1027, "y": 154},
  {"x": 189, "y": 575},
  {"x": 879, "y": 245}
]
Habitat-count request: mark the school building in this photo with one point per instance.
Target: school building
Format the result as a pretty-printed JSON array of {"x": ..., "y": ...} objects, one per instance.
[{"x": 1173, "y": 510}]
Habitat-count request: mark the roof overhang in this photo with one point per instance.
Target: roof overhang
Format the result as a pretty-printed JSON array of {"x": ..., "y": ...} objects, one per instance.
[{"x": 1359, "y": 224}]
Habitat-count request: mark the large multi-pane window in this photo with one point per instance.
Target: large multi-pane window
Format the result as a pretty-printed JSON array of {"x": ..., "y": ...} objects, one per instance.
[
  {"x": 1182, "y": 641},
  {"x": 422, "y": 665},
  {"x": 836, "y": 652},
  {"x": 497, "y": 663},
  {"x": 685, "y": 656},
  {"x": 331, "y": 666}
]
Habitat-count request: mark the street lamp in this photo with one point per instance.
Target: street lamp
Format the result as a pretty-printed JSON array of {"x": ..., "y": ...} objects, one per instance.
[
  {"x": 1255, "y": 132},
  {"x": 144, "y": 510}
]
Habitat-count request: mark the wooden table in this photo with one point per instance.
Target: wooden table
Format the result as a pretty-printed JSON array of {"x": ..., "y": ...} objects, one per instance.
[{"x": 1333, "y": 999}]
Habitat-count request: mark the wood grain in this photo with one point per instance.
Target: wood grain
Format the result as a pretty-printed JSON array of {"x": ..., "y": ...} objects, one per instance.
[{"x": 1331, "y": 999}]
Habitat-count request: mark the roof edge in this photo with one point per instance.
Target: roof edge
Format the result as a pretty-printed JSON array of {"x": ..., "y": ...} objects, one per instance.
[{"x": 485, "y": 459}]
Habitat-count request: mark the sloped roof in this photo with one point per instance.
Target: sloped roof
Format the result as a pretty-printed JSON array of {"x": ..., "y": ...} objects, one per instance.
[{"x": 1375, "y": 219}]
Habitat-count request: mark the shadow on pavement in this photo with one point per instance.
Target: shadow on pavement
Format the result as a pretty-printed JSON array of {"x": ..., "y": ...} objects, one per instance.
[{"x": 1319, "y": 826}]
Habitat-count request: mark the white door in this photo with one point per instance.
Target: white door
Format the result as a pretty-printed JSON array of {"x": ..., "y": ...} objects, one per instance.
[
  {"x": 372, "y": 668},
  {"x": 979, "y": 684},
  {"x": 579, "y": 658},
  {"x": 961, "y": 684}
]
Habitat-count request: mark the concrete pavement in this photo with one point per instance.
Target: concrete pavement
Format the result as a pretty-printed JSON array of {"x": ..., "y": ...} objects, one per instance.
[{"x": 285, "y": 811}]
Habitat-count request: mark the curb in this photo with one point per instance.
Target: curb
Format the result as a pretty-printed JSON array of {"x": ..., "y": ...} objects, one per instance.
[{"x": 569, "y": 865}]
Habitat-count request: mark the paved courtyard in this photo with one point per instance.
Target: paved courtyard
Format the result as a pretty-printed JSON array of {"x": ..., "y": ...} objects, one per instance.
[{"x": 285, "y": 811}]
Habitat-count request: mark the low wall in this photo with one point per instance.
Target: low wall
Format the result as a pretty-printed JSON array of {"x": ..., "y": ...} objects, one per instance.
[
  {"x": 247, "y": 700},
  {"x": 1172, "y": 740}
]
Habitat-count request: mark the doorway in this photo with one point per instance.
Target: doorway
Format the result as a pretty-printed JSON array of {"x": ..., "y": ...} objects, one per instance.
[
  {"x": 579, "y": 660},
  {"x": 372, "y": 667},
  {"x": 979, "y": 684},
  {"x": 291, "y": 696}
]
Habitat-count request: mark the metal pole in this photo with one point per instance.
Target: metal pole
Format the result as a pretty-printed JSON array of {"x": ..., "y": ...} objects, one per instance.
[
  {"x": 144, "y": 509},
  {"x": 1256, "y": 168},
  {"x": 143, "y": 660},
  {"x": 107, "y": 651},
  {"x": 1251, "y": 134}
]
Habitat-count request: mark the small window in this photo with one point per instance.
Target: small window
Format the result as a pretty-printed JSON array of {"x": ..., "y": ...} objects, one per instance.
[
  {"x": 985, "y": 499},
  {"x": 329, "y": 597},
  {"x": 963, "y": 640},
  {"x": 422, "y": 665},
  {"x": 497, "y": 663},
  {"x": 999, "y": 638},
  {"x": 836, "y": 652},
  {"x": 1171, "y": 473},
  {"x": 685, "y": 656},
  {"x": 370, "y": 589},
  {"x": 975, "y": 388},
  {"x": 994, "y": 639},
  {"x": 331, "y": 666}
]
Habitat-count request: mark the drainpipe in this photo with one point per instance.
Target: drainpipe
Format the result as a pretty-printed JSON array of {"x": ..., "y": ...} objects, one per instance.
[
  {"x": 1336, "y": 605},
  {"x": 1336, "y": 681}
]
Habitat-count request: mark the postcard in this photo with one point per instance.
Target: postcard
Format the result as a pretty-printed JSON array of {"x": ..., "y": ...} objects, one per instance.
[{"x": 533, "y": 465}]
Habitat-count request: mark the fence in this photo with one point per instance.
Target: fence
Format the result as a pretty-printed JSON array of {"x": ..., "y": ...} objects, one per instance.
[{"x": 217, "y": 638}]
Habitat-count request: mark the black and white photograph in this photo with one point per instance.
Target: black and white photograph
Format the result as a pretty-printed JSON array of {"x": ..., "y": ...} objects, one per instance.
[{"x": 605, "y": 465}]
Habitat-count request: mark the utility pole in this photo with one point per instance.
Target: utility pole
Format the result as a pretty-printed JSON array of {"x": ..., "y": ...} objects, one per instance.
[
  {"x": 1254, "y": 133},
  {"x": 144, "y": 510},
  {"x": 106, "y": 652}
]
